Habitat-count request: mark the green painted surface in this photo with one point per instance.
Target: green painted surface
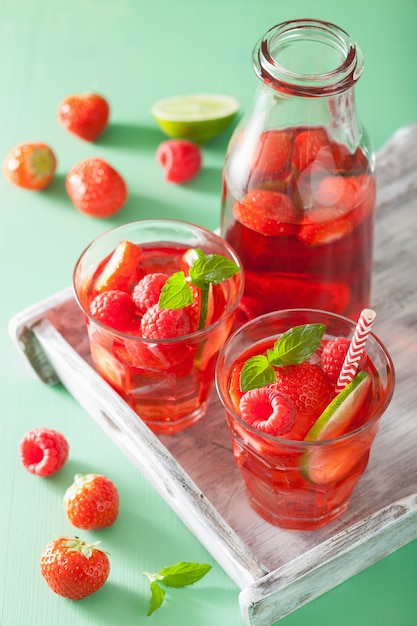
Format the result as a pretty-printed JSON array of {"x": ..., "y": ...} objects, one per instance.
[{"x": 135, "y": 52}]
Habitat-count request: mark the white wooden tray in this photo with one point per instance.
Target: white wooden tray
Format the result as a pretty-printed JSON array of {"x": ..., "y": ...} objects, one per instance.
[{"x": 276, "y": 570}]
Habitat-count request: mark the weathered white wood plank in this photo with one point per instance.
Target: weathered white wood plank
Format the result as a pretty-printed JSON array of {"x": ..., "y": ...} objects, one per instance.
[{"x": 277, "y": 570}]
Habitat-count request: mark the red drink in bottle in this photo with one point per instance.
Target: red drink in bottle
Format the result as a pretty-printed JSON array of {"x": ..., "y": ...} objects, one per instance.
[
  {"x": 304, "y": 233},
  {"x": 298, "y": 186}
]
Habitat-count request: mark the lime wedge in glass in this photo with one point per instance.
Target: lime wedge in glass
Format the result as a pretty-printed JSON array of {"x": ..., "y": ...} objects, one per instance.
[
  {"x": 197, "y": 117},
  {"x": 331, "y": 462}
]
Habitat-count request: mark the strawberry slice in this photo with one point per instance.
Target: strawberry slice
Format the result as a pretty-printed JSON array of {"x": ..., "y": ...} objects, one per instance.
[
  {"x": 234, "y": 389},
  {"x": 343, "y": 202},
  {"x": 272, "y": 156},
  {"x": 310, "y": 145},
  {"x": 316, "y": 231},
  {"x": 120, "y": 270},
  {"x": 363, "y": 189},
  {"x": 270, "y": 213},
  {"x": 108, "y": 365}
]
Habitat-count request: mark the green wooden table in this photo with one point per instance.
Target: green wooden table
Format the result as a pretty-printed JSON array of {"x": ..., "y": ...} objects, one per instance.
[{"x": 134, "y": 52}]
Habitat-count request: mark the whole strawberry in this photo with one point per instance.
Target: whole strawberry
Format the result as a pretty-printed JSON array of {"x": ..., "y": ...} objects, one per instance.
[
  {"x": 43, "y": 451},
  {"x": 84, "y": 115},
  {"x": 95, "y": 188},
  {"x": 307, "y": 386},
  {"x": 91, "y": 502},
  {"x": 74, "y": 569},
  {"x": 30, "y": 165}
]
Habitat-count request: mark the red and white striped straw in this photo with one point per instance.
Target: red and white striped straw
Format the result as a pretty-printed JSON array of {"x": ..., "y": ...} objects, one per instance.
[{"x": 356, "y": 348}]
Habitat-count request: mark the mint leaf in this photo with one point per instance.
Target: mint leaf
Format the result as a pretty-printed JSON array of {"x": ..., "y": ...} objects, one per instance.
[
  {"x": 296, "y": 345},
  {"x": 212, "y": 269},
  {"x": 205, "y": 270},
  {"x": 183, "y": 574},
  {"x": 176, "y": 293},
  {"x": 157, "y": 597},
  {"x": 178, "y": 575},
  {"x": 256, "y": 372}
]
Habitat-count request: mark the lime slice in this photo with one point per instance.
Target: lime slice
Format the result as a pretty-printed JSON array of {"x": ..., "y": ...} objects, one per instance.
[
  {"x": 329, "y": 463},
  {"x": 198, "y": 117}
]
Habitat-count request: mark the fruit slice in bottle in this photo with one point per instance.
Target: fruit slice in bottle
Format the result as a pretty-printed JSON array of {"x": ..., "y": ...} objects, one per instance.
[{"x": 329, "y": 463}]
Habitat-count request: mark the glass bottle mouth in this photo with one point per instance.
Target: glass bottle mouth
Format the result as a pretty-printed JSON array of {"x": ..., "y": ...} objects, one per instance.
[{"x": 307, "y": 58}]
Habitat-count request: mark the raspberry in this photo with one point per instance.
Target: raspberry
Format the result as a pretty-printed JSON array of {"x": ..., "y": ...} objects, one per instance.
[
  {"x": 160, "y": 323},
  {"x": 180, "y": 158},
  {"x": 307, "y": 386},
  {"x": 43, "y": 451},
  {"x": 268, "y": 410},
  {"x": 146, "y": 293},
  {"x": 115, "y": 309},
  {"x": 333, "y": 355}
]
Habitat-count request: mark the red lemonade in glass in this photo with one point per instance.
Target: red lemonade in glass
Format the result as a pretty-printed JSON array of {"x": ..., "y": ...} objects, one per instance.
[
  {"x": 159, "y": 355},
  {"x": 300, "y": 446}
]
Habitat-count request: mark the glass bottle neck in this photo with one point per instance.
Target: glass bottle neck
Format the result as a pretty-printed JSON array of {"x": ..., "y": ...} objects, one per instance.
[{"x": 309, "y": 58}]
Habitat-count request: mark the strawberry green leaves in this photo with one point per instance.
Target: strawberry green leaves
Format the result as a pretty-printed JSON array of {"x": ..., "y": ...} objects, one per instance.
[
  {"x": 294, "y": 346},
  {"x": 179, "y": 575},
  {"x": 206, "y": 270}
]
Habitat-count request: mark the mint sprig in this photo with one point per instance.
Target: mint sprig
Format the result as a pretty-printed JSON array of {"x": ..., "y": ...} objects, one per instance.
[
  {"x": 206, "y": 270},
  {"x": 178, "y": 575},
  {"x": 294, "y": 346}
]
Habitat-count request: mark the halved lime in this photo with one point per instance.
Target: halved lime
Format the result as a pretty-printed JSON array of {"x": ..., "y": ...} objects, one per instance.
[
  {"x": 328, "y": 463},
  {"x": 197, "y": 117}
]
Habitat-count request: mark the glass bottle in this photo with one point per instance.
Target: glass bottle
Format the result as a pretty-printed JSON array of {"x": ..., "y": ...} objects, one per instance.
[{"x": 299, "y": 192}]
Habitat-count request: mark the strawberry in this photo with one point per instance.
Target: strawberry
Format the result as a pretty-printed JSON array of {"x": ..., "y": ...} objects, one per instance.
[
  {"x": 95, "y": 188},
  {"x": 363, "y": 190},
  {"x": 160, "y": 323},
  {"x": 116, "y": 309},
  {"x": 84, "y": 115},
  {"x": 30, "y": 165},
  {"x": 318, "y": 228},
  {"x": 181, "y": 160},
  {"x": 120, "y": 269},
  {"x": 91, "y": 502},
  {"x": 147, "y": 291},
  {"x": 74, "y": 569},
  {"x": 343, "y": 203},
  {"x": 268, "y": 410},
  {"x": 308, "y": 146},
  {"x": 270, "y": 213},
  {"x": 307, "y": 386},
  {"x": 43, "y": 451},
  {"x": 234, "y": 386},
  {"x": 111, "y": 369},
  {"x": 272, "y": 156}
]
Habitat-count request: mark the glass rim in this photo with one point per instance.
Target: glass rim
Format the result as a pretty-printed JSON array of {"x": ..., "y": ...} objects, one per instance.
[
  {"x": 194, "y": 336},
  {"x": 294, "y": 443},
  {"x": 320, "y": 84}
]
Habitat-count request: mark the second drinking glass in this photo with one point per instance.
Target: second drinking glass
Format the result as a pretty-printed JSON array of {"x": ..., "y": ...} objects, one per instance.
[{"x": 160, "y": 359}]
